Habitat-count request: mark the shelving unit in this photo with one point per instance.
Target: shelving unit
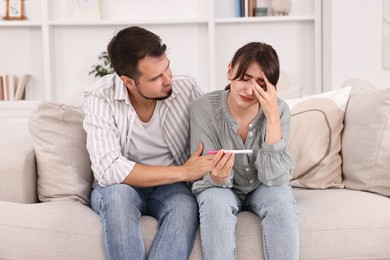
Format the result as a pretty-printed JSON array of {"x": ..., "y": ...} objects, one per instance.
[{"x": 59, "y": 51}]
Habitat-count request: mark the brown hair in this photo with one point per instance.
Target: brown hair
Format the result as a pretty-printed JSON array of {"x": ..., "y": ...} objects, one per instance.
[
  {"x": 261, "y": 53},
  {"x": 129, "y": 46}
]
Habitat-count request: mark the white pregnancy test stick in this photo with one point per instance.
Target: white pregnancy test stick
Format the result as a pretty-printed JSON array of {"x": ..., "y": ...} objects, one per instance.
[{"x": 231, "y": 151}]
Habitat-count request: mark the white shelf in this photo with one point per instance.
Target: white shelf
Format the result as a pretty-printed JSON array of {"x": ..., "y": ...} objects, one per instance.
[
  {"x": 128, "y": 22},
  {"x": 265, "y": 19},
  {"x": 20, "y": 24},
  {"x": 61, "y": 41},
  {"x": 18, "y": 104}
]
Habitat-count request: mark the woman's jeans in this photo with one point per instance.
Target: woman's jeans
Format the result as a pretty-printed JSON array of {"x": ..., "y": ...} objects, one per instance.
[
  {"x": 276, "y": 208},
  {"x": 120, "y": 207}
]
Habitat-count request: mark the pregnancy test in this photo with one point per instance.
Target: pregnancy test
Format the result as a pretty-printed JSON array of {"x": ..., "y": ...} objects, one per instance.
[{"x": 231, "y": 151}]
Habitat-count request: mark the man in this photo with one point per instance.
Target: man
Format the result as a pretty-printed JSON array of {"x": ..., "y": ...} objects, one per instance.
[{"x": 137, "y": 124}]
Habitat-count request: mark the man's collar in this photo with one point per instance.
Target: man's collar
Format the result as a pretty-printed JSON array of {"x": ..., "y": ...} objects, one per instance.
[{"x": 120, "y": 90}]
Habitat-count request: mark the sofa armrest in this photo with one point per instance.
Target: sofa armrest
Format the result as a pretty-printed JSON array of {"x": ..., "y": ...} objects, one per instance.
[{"x": 18, "y": 172}]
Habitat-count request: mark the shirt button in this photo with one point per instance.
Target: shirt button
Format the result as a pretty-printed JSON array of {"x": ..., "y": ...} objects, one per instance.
[
  {"x": 247, "y": 169},
  {"x": 250, "y": 125},
  {"x": 250, "y": 133},
  {"x": 251, "y": 181}
]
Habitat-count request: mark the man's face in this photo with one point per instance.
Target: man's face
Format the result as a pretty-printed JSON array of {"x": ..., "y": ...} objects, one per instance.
[{"x": 155, "y": 81}]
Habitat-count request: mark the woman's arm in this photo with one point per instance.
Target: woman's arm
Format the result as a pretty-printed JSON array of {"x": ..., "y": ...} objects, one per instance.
[{"x": 274, "y": 162}]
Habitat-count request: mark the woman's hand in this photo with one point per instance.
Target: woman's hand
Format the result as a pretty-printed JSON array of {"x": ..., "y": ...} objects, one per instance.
[
  {"x": 269, "y": 104},
  {"x": 268, "y": 98},
  {"x": 221, "y": 166}
]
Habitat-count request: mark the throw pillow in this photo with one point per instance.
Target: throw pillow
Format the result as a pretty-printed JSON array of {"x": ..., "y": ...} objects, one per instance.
[
  {"x": 366, "y": 142},
  {"x": 64, "y": 167},
  {"x": 315, "y": 139}
]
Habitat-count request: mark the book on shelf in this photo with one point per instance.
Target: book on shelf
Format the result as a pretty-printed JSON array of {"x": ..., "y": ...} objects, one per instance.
[
  {"x": 1, "y": 88},
  {"x": 5, "y": 87},
  {"x": 12, "y": 88},
  {"x": 251, "y": 8},
  {"x": 9, "y": 87},
  {"x": 246, "y": 8},
  {"x": 21, "y": 87},
  {"x": 236, "y": 8}
]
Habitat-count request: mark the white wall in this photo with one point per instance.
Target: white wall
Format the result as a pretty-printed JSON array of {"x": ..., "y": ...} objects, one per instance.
[{"x": 353, "y": 42}]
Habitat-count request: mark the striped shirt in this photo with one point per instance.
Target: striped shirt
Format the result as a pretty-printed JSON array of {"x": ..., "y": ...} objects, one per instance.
[
  {"x": 269, "y": 164},
  {"x": 109, "y": 121}
]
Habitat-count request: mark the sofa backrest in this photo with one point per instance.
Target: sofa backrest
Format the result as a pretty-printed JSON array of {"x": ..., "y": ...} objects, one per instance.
[
  {"x": 366, "y": 141},
  {"x": 356, "y": 157}
]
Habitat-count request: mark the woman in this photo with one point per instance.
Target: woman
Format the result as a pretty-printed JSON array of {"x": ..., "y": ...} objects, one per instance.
[{"x": 247, "y": 115}]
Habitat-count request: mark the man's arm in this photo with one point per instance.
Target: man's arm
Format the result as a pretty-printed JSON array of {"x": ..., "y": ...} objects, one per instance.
[{"x": 148, "y": 176}]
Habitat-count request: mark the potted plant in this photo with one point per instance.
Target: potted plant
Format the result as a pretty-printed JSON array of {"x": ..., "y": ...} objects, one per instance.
[{"x": 104, "y": 67}]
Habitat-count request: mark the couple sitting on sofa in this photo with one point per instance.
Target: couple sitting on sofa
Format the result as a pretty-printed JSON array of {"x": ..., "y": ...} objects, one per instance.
[{"x": 138, "y": 123}]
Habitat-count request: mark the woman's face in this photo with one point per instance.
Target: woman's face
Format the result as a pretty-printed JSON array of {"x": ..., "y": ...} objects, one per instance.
[{"x": 241, "y": 90}]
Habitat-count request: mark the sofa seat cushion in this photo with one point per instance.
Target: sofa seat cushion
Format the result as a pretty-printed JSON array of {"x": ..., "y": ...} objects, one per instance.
[
  {"x": 248, "y": 236},
  {"x": 53, "y": 230},
  {"x": 343, "y": 224},
  {"x": 334, "y": 224},
  {"x": 49, "y": 230}
]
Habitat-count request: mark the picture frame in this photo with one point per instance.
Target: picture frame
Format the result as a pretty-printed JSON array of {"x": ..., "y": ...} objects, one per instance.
[{"x": 15, "y": 10}]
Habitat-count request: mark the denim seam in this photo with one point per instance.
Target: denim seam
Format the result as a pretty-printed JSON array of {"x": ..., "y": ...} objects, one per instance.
[
  {"x": 162, "y": 231},
  {"x": 266, "y": 253},
  {"x": 102, "y": 216}
]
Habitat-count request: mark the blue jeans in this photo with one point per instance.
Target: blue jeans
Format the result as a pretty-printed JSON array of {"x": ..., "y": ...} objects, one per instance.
[
  {"x": 276, "y": 208},
  {"x": 120, "y": 207}
]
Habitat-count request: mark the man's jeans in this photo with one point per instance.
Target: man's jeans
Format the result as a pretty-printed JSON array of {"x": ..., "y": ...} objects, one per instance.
[
  {"x": 120, "y": 207},
  {"x": 274, "y": 205}
]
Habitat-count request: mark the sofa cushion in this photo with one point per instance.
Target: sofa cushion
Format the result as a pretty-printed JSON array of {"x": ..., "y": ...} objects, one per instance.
[
  {"x": 343, "y": 224},
  {"x": 366, "y": 142},
  {"x": 58, "y": 230},
  {"x": 18, "y": 172},
  {"x": 315, "y": 142},
  {"x": 64, "y": 168}
]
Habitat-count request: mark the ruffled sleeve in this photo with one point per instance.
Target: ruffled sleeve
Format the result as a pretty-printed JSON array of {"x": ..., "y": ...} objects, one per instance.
[{"x": 274, "y": 164}]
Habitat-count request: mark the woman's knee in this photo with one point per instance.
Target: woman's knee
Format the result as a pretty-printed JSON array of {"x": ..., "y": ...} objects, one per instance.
[
  {"x": 279, "y": 200},
  {"x": 217, "y": 201},
  {"x": 185, "y": 203}
]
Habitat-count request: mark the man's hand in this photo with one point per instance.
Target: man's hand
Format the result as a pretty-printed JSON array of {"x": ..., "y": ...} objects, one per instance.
[
  {"x": 149, "y": 176},
  {"x": 197, "y": 166},
  {"x": 221, "y": 166}
]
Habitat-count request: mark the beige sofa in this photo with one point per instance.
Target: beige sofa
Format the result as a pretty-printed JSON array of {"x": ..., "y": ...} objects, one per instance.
[{"x": 341, "y": 183}]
